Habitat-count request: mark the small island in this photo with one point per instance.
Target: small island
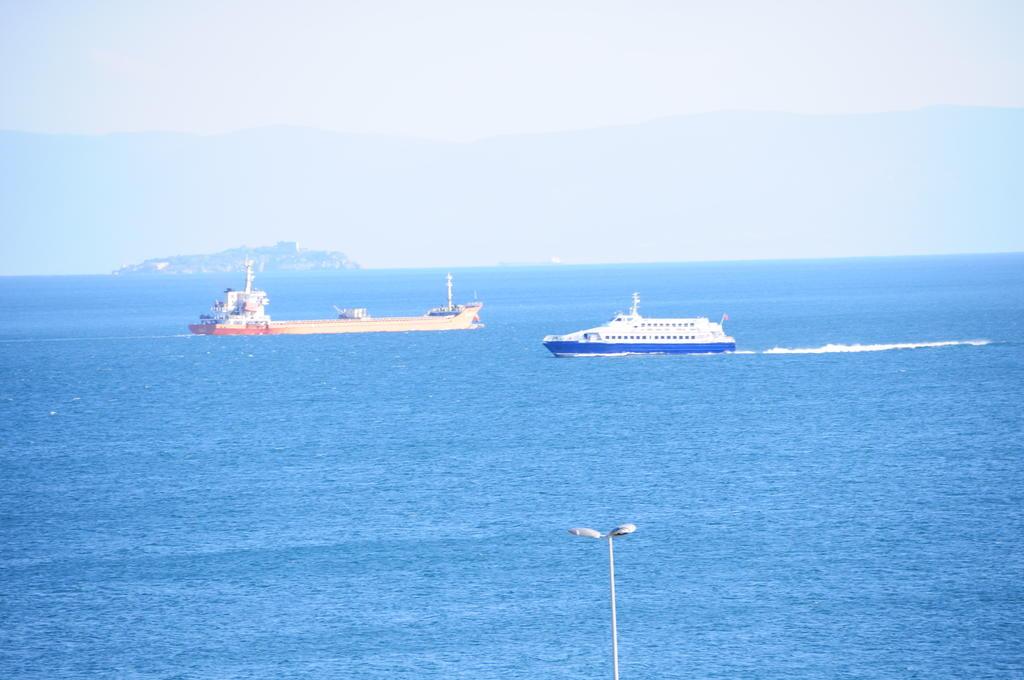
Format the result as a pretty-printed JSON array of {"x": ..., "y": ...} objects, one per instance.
[{"x": 284, "y": 256}]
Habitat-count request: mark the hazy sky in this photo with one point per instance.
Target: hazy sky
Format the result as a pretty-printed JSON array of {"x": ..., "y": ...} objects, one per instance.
[{"x": 464, "y": 70}]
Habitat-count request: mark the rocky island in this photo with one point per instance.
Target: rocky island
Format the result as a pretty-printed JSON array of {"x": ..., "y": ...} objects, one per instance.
[{"x": 285, "y": 256}]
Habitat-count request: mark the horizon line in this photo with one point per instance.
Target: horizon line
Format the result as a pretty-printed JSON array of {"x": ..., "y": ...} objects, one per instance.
[
  {"x": 559, "y": 265},
  {"x": 500, "y": 135}
]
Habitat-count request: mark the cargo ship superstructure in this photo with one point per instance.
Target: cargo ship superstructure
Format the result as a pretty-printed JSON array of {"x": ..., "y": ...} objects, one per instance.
[
  {"x": 634, "y": 334},
  {"x": 243, "y": 312}
]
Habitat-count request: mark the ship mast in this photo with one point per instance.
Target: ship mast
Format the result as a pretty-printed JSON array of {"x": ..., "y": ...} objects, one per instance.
[
  {"x": 450, "y": 305},
  {"x": 636, "y": 305},
  {"x": 248, "y": 275}
]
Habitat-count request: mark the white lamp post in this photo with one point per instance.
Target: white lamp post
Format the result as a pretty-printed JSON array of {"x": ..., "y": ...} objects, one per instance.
[{"x": 621, "y": 530}]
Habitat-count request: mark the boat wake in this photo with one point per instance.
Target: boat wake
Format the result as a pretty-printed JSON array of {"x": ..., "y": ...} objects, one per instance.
[
  {"x": 95, "y": 338},
  {"x": 838, "y": 348}
]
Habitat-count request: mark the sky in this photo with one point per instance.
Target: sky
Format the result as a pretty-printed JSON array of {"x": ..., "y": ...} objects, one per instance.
[
  {"x": 142, "y": 128},
  {"x": 460, "y": 71}
]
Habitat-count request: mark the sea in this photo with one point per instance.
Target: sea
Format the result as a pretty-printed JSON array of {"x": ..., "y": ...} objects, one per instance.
[{"x": 843, "y": 497}]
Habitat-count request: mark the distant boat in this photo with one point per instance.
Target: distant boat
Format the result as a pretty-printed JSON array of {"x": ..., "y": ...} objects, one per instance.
[
  {"x": 242, "y": 312},
  {"x": 634, "y": 334}
]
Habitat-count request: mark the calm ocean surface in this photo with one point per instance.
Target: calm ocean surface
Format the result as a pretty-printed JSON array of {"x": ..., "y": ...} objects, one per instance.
[{"x": 396, "y": 506}]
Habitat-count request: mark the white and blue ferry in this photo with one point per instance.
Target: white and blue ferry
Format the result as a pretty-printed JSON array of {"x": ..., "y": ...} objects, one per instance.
[{"x": 635, "y": 334}]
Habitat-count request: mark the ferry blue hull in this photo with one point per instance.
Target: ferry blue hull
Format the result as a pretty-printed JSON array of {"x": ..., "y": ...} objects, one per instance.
[{"x": 572, "y": 348}]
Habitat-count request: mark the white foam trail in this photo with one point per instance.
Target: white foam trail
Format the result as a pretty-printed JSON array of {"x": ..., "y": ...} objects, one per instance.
[
  {"x": 837, "y": 348},
  {"x": 87, "y": 338}
]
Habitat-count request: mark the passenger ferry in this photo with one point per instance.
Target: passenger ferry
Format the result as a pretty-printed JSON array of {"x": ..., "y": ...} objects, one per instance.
[{"x": 633, "y": 334}]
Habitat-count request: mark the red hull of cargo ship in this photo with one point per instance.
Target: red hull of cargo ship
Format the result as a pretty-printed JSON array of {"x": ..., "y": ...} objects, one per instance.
[{"x": 212, "y": 329}]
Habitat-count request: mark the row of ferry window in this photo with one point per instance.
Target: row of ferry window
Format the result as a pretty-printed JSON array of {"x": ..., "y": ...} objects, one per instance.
[
  {"x": 668, "y": 324},
  {"x": 653, "y": 337}
]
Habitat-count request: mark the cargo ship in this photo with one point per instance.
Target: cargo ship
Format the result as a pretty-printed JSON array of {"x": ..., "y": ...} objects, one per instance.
[{"x": 243, "y": 312}]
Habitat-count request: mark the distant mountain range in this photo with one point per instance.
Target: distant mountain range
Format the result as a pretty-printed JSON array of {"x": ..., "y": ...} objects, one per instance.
[
  {"x": 728, "y": 185},
  {"x": 284, "y": 256}
]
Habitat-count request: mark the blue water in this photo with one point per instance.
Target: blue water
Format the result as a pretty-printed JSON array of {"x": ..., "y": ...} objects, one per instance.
[{"x": 396, "y": 506}]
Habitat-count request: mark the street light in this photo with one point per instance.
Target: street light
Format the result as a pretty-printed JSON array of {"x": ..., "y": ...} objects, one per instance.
[{"x": 621, "y": 530}]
